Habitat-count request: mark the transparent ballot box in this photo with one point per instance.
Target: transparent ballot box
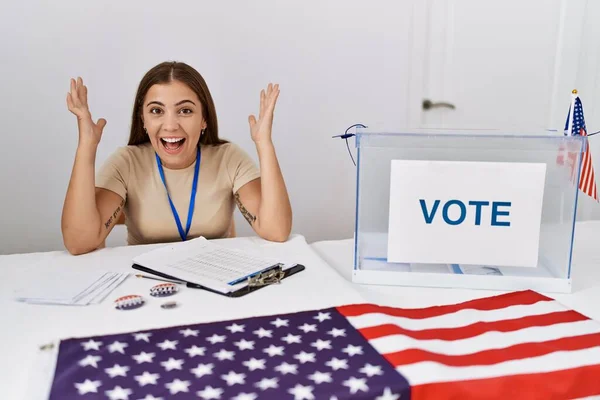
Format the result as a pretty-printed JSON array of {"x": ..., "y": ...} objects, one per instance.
[{"x": 466, "y": 210}]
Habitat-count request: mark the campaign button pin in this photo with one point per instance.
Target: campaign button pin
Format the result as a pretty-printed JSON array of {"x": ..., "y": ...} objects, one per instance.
[
  {"x": 163, "y": 289},
  {"x": 129, "y": 302}
]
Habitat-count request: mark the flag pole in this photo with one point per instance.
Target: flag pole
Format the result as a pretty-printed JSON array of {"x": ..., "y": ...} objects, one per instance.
[
  {"x": 568, "y": 133},
  {"x": 572, "y": 111}
]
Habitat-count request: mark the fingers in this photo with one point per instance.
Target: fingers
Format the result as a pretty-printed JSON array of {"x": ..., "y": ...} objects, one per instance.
[
  {"x": 262, "y": 103},
  {"x": 69, "y": 102},
  {"x": 252, "y": 120},
  {"x": 84, "y": 95},
  {"x": 273, "y": 94},
  {"x": 101, "y": 124},
  {"x": 74, "y": 94}
]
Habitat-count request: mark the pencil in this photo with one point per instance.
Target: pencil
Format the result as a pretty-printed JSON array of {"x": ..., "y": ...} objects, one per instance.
[{"x": 157, "y": 279}]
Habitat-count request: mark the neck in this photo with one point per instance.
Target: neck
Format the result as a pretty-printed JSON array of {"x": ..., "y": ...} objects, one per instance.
[{"x": 182, "y": 165}]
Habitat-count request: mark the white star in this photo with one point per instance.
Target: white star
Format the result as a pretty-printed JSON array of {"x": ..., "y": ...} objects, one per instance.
[
  {"x": 178, "y": 386},
  {"x": 214, "y": 339},
  {"x": 210, "y": 393},
  {"x": 224, "y": 355},
  {"x": 203, "y": 369},
  {"x": 195, "y": 351},
  {"x": 305, "y": 357},
  {"x": 273, "y": 350},
  {"x": 90, "y": 360},
  {"x": 371, "y": 370},
  {"x": 142, "y": 336},
  {"x": 291, "y": 338},
  {"x": 388, "y": 395},
  {"x": 263, "y": 333},
  {"x": 118, "y": 347},
  {"x": 322, "y": 316},
  {"x": 336, "y": 364},
  {"x": 232, "y": 378},
  {"x": 117, "y": 370},
  {"x": 172, "y": 364},
  {"x": 320, "y": 377},
  {"x": 91, "y": 345},
  {"x": 308, "y": 328},
  {"x": 144, "y": 357},
  {"x": 267, "y": 383},
  {"x": 356, "y": 384},
  {"x": 168, "y": 344},
  {"x": 150, "y": 397},
  {"x": 118, "y": 393},
  {"x": 285, "y": 368},
  {"x": 88, "y": 386},
  {"x": 147, "y": 378},
  {"x": 245, "y": 345},
  {"x": 322, "y": 344},
  {"x": 254, "y": 364},
  {"x": 280, "y": 322},
  {"x": 189, "y": 332},
  {"x": 337, "y": 332},
  {"x": 302, "y": 392},
  {"x": 245, "y": 396},
  {"x": 235, "y": 328},
  {"x": 352, "y": 350}
]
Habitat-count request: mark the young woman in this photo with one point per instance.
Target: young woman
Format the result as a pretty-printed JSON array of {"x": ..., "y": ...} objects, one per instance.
[{"x": 176, "y": 179}]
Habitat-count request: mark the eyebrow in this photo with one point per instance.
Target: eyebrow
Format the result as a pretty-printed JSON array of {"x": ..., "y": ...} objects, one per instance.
[{"x": 178, "y": 104}]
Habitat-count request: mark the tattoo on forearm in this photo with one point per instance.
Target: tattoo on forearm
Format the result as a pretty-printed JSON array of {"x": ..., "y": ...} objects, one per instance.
[
  {"x": 249, "y": 217},
  {"x": 114, "y": 215}
]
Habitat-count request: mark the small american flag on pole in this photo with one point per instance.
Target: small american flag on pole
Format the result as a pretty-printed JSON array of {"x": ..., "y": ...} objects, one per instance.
[
  {"x": 519, "y": 345},
  {"x": 575, "y": 125}
]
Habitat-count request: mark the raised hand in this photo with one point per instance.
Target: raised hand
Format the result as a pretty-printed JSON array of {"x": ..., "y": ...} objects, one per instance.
[
  {"x": 261, "y": 130},
  {"x": 89, "y": 132}
]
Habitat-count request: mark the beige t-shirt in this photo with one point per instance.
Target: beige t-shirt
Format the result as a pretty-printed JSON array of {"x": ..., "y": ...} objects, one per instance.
[{"x": 133, "y": 174}]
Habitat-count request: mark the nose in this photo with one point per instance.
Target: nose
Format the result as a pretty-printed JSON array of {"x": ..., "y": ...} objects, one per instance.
[{"x": 171, "y": 123}]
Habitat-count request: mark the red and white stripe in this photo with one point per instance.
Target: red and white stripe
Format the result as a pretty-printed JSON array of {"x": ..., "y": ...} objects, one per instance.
[
  {"x": 587, "y": 180},
  {"x": 516, "y": 345}
]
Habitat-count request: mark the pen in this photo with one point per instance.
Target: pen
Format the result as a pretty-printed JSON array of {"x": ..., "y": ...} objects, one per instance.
[{"x": 158, "y": 279}]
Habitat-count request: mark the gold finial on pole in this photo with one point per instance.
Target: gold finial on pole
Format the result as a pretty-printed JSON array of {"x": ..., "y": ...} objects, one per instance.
[{"x": 574, "y": 91}]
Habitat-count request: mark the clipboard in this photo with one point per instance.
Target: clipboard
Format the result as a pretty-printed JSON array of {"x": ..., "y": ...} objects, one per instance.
[{"x": 272, "y": 276}]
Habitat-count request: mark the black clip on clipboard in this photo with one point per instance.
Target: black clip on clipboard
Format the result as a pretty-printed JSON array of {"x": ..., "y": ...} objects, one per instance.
[{"x": 263, "y": 279}]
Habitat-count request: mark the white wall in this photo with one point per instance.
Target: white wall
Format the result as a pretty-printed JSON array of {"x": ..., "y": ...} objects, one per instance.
[{"x": 337, "y": 62}]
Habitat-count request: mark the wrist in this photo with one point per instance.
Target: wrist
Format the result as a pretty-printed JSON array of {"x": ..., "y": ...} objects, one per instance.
[
  {"x": 87, "y": 149},
  {"x": 264, "y": 145}
]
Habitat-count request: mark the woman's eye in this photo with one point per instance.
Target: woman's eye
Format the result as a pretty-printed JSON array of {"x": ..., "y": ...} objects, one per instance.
[
  {"x": 185, "y": 111},
  {"x": 155, "y": 111}
]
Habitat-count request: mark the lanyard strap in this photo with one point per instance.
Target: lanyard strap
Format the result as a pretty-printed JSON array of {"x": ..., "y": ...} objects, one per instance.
[{"x": 192, "y": 196}]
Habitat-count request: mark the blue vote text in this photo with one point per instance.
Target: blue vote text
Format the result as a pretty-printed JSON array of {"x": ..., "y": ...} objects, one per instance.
[{"x": 500, "y": 213}]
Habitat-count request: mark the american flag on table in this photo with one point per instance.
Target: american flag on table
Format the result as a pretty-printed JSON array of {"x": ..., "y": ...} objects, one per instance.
[
  {"x": 575, "y": 125},
  {"x": 519, "y": 345}
]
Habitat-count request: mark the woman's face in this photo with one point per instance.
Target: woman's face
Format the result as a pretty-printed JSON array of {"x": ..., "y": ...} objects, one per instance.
[{"x": 172, "y": 116}]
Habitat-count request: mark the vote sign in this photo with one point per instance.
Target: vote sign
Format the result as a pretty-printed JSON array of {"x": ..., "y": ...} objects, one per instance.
[{"x": 459, "y": 212}]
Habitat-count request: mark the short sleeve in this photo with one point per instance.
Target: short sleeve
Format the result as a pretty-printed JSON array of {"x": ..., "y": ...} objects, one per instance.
[
  {"x": 113, "y": 175},
  {"x": 240, "y": 167}
]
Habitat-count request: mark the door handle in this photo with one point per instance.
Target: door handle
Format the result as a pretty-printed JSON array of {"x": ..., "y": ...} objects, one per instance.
[{"x": 428, "y": 104}]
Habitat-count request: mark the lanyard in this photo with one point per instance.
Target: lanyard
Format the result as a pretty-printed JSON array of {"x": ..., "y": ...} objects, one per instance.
[{"x": 192, "y": 197}]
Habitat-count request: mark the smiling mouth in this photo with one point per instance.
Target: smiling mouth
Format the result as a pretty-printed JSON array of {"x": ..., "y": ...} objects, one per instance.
[{"x": 172, "y": 144}]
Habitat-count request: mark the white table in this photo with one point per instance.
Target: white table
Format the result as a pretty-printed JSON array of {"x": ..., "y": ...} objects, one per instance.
[
  {"x": 27, "y": 326},
  {"x": 585, "y": 297}
]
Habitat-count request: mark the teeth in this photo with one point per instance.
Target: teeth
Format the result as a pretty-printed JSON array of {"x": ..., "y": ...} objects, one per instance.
[{"x": 172, "y": 140}]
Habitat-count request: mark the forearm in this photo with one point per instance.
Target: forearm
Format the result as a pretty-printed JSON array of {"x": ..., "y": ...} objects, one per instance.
[
  {"x": 274, "y": 219},
  {"x": 80, "y": 218}
]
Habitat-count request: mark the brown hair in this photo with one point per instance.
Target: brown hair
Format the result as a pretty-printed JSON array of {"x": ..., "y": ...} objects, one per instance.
[{"x": 175, "y": 71}]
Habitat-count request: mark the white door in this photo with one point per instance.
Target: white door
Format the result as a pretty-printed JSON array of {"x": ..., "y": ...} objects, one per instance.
[{"x": 507, "y": 65}]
